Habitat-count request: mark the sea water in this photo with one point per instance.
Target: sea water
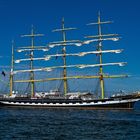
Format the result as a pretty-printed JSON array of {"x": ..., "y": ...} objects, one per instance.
[{"x": 69, "y": 124}]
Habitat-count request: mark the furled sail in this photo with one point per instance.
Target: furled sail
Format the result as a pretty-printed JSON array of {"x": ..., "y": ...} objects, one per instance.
[
  {"x": 81, "y": 66},
  {"x": 48, "y": 57}
]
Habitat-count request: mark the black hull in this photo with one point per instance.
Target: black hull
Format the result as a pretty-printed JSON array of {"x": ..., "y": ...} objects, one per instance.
[
  {"x": 108, "y": 106},
  {"x": 70, "y": 103}
]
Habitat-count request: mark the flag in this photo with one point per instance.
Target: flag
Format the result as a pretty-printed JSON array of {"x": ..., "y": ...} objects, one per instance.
[{"x": 3, "y": 73}]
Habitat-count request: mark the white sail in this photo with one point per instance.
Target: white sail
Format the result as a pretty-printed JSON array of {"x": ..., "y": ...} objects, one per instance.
[
  {"x": 64, "y": 44},
  {"x": 90, "y": 52},
  {"x": 81, "y": 66},
  {"x": 48, "y": 57},
  {"x": 103, "y": 39},
  {"x": 52, "y": 45},
  {"x": 29, "y": 59},
  {"x": 30, "y": 47},
  {"x": 33, "y": 49},
  {"x": 61, "y": 43}
]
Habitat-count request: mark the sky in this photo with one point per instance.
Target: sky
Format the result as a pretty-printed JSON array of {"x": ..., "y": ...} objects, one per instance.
[{"x": 16, "y": 18}]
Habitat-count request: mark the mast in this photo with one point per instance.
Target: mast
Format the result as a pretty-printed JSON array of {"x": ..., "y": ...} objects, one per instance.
[
  {"x": 64, "y": 58},
  {"x": 100, "y": 57},
  {"x": 31, "y": 64},
  {"x": 64, "y": 44},
  {"x": 12, "y": 69},
  {"x": 32, "y": 35},
  {"x": 99, "y": 48}
]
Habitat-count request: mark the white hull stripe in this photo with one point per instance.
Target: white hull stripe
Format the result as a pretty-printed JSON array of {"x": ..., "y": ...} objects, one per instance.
[{"x": 69, "y": 104}]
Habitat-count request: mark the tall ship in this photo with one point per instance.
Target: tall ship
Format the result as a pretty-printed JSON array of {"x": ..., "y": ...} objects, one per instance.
[{"x": 63, "y": 97}]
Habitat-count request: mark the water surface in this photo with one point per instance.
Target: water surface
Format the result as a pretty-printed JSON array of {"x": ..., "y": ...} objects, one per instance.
[{"x": 69, "y": 124}]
